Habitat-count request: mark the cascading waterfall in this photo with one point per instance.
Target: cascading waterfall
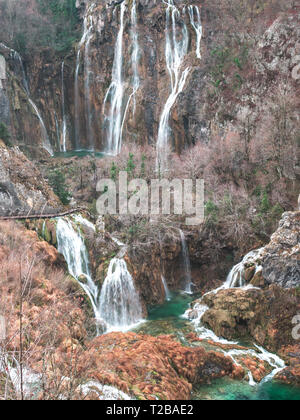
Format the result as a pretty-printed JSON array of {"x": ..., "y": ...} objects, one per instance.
[
  {"x": 120, "y": 305},
  {"x": 176, "y": 49},
  {"x": 236, "y": 280},
  {"x": 87, "y": 90},
  {"x": 71, "y": 245},
  {"x": 87, "y": 35},
  {"x": 46, "y": 142},
  {"x": 236, "y": 277},
  {"x": 134, "y": 63},
  {"x": 113, "y": 100},
  {"x": 166, "y": 289},
  {"x": 186, "y": 264},
  {"x": 63, "y": 109},
  {"x": 16, "y": 56},
  {"x": 197, "y": 25}
]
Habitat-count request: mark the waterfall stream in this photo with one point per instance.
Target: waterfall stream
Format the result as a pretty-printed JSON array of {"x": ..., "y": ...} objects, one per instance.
[
  {"x": 134, "y": 63},
  {"x": 114, "y": 97},
  {"x": 120, "y": 305},
  {"x": 186, "y": 264},
  {"x": 197, "y": 25},
  {"x": 177, "y": 41},
  {"x": 63, "y": 142},
  {"x": 16, "y": 56},
  {"x": 71, "y": 245},
  {"x": 166, "y": 289},
  {"x": 46, "y": 142},
  {"x": 235, "y": 279},
  {"x": 86, "y": 38}
]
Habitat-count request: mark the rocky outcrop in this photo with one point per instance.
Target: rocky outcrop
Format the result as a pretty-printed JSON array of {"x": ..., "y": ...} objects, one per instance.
[
  {"x": 281, "y": 259},
  {"x": 151, "y": 367},
  {"x": 265, "y": 316},
  {"x": 22, "y": 188},
  {"x": 290, "y": 375}
]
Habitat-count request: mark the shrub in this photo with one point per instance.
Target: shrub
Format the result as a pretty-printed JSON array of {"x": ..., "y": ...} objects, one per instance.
[
  {"x": 57, "y": 181},
  {"x": 4, "y": 134}
]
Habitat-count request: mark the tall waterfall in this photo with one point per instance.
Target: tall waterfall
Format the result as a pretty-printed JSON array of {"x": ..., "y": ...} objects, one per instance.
[
  {"x": 134, "y": 64},
  {"x": 71, "y": 245},
  {"x": 197, "y": 25},
  {"x": 63, "y": 142},
  {"x": 187, "y": 264},
  {"x": 120, "y": 305},
  {"x": 177, "y": 41},
  {"x": 46, "y": 142},
  {"x": 87, "y": 90},
  {"x": 113, "y": 102},
  {"x": 45, "y": 138},
  {"x": 86, "y": 37}
]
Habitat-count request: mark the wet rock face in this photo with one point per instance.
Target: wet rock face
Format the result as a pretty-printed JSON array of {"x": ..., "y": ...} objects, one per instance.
[
  {"x": 142, "y": 120},
  {"x": 4, "y": 100},
  {"x": 281, "y": 261},
  {"x": 264, "y": 315}
]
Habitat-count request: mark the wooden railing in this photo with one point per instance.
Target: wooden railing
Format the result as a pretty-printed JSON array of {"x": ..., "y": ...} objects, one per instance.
[{"x": 43, "y": 215}]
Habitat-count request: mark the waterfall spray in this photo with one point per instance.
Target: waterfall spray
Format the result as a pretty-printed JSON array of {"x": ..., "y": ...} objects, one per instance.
[
  {"x": 197, "y": 25},
  {"x": 71, "y": 245},
  {"x": 114, "y": 96},
  {"x": 166, "y": 289},
  {"x": 86, "y": 35},
  {"x": 46, "y": 141},
  {"x": 120, "y": 305},
  {"x": 63, "y": 106},
  {"x": 175, "y": 51},
  {"x": 134, "y": 63},
  {"x": 187, "y": 264}
]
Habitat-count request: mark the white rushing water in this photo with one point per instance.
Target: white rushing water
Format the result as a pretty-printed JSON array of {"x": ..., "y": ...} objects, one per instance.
[
  {"x": 236, "y": 279},
  {"x": 120, "y": 305},
  {"x": 134, "y": 63},
  {"x": 45, "y": 138},
  {"x": 71, "y": 245},
  {"x": 113, "y": 101},
  {"x": 86, "y": 38},
  {"x": 87, "y": 88},
  {"x": 195, "y": 19},
  {"x": 46, "y": 142},
  {"x": 63, "y": 142},
  {"x": 186, "y": 264},
  {"x": 177, "y": 41},
  {"x": 166, "y": 289}
]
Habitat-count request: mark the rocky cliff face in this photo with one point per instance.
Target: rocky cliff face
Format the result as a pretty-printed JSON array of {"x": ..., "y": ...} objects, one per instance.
[
  {"x": 116, "y": 84},
  {"x": 281, "y": 260},
  {"x": 22, "y": 188}
]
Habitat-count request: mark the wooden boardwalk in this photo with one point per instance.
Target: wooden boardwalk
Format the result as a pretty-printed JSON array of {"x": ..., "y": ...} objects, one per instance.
[{"x": 44, "y": 216}]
